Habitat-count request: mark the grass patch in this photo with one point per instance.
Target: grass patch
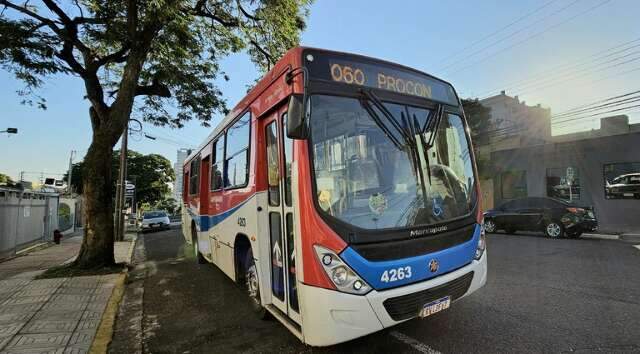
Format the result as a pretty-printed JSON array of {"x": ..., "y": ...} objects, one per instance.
[{"x": 68, "y": 271}]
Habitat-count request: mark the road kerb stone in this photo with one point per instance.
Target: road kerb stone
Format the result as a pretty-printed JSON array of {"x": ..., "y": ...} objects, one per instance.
[{"x": 105, "y": 330}]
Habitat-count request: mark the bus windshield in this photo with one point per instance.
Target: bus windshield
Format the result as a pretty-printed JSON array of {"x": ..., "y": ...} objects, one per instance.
[{"x": 374, "y": 176}]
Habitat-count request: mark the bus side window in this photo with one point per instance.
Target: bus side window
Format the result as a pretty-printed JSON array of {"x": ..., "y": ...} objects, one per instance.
[
  {"x": 195, "y": 174},
  {"x": 216, "y": 164},
  {"x": 288, "y": 160},
  {"x": 236, "y": 166},
  {"x": 273, "y": 178}
]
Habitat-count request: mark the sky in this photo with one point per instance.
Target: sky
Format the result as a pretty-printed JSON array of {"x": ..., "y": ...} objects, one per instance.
[{"x": 558, "y": 53}]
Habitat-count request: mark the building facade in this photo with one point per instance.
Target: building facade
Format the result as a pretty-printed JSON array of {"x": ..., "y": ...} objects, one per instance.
[
  {"x": 598, "y": 168},
  {"x": 181, "y": 155}
]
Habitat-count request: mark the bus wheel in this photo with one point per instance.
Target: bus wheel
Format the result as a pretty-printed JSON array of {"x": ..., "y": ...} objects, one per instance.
[
  {"x": 252, "y": 286},
  {"x": 196, "y": 249}
]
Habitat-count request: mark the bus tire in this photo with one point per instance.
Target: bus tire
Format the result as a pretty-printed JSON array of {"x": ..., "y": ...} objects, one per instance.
[
  {"x": 252, "y": 286},
  {"x": 196, "y": 249}
]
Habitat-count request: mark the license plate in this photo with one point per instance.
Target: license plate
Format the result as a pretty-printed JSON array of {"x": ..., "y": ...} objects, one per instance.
[
  {"x": 152, "y": 225},
  {"x": 628, "y": 194},
  {"x": 435, "y": 306}
]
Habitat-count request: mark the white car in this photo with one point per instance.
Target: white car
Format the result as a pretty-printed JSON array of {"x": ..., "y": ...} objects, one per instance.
[{"x": 155, "y": 220}]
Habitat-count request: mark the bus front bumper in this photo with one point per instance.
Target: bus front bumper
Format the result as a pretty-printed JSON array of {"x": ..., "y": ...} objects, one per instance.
[{"x": 332, "y": 317}]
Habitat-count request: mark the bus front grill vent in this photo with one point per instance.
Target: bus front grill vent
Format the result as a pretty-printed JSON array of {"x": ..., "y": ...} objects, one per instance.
[{"x": 407, "y": 306}]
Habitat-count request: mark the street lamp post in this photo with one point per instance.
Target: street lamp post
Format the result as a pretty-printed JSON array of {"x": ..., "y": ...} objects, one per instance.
[{"x": 10, "y": 131}]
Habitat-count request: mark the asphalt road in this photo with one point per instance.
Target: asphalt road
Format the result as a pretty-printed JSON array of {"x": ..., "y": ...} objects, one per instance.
[{"x": 542, "y": 295}]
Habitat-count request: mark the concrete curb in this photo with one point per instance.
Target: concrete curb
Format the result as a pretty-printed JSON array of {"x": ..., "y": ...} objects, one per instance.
[
  {"x": 630, "y": 237},
  {"x": 104, "y": 333},
  {"x": 132, "y": 248}
]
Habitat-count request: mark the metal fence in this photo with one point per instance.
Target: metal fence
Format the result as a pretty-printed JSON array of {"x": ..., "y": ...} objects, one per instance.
[{"x": 26, "y": 218}]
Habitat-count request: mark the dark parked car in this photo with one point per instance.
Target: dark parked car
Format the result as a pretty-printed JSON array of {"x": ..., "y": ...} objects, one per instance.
[
  {"x": 555, "y": 217},
  {"x": 624, "y": 186}
]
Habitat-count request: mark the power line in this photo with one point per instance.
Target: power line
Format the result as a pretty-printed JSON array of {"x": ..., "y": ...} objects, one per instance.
[
  {"x": 569, "y": 73},
  {"x": 497, "y": 31},
  {"x": 601, "y": 101},
  {"x": 533, "y": 36},
  {"x": 593, "y": 115},
  {"x": 599, "y": 107},
  {"x": 573, "y": 76},
  {"x": 512, "y": 34},
  {"x": 547, "y": 73}
]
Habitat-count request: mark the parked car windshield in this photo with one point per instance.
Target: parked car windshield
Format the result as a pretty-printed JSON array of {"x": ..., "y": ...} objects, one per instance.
[{"x": 154, "y": 214}]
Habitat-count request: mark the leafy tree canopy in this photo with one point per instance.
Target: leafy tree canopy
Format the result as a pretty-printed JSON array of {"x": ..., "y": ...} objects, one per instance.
[
  {"x": 155, "y": 59},
  {"x": 6, "y": 180},
  {"x": 150, "y": 173},
  {"x": 479, "y": 118}
]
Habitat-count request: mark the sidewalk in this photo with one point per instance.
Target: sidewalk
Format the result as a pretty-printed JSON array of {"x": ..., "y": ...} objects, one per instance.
[{"x": 59, "y": 315}]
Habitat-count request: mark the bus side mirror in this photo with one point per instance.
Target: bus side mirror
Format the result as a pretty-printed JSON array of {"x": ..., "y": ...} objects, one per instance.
[{"x": 296, "y": 125}]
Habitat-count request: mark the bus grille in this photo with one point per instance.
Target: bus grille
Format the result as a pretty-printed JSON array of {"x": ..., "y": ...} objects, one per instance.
[{"x": 407, "y": 306}]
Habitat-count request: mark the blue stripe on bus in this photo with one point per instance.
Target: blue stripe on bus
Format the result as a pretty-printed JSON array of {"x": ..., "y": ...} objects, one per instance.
[
  {"x": 448, "y": 260},
  {"x": 205, "y": 222}
]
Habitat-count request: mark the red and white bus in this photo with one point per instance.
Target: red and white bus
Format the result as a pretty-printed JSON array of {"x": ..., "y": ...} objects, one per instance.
[{"x": 342, "y": 194}]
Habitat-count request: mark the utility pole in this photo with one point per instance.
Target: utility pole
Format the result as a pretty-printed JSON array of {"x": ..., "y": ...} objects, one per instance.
[
  {"x": 120, "y": 186},
  {"x": 69, "y": 186}
]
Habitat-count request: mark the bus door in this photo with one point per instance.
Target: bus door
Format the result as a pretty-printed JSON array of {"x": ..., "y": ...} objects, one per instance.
[{"x": 280, "y": 214}]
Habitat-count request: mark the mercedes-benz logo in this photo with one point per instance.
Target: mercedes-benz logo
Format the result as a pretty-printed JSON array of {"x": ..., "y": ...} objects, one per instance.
[{"x": 433, "y": 265}]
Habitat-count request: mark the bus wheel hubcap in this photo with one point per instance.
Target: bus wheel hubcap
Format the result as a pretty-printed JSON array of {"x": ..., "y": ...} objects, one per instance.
[
  {"x": 553, "y": 230},
  {"x": 252, "y": 283}
]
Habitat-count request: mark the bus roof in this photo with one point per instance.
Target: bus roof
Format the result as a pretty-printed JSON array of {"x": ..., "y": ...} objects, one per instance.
[{"x": 292, "y": 58}]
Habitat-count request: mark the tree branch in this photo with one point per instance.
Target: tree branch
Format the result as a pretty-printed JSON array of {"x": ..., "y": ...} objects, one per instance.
[
  {"x": 263, "y": 51},
  {"x": 132, "y": 19},
  {"x": 245, "y": 13},
  {"x": 200, "y": 9},
  {"x": 24, "y": 10},
  {"x": 155, "y": 89},
  {"x": 119, "y": 56},
  {"x": 57, "y": 10}
]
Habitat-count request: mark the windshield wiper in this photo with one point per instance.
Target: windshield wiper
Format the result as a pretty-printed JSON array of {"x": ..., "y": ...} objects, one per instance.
[
  {"x": 433, "y": 125},
  {"x": 376, "y": 101},
  {"x": 380, "y": 124}
]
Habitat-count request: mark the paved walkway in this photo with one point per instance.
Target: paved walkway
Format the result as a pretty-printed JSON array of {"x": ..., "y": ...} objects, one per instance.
[{"x": 52, "y": 315}]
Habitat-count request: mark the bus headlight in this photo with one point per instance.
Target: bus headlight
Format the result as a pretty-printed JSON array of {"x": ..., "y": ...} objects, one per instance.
[
  {"x": 343, "y": 277},
  {"x": 482, "y": 244}
]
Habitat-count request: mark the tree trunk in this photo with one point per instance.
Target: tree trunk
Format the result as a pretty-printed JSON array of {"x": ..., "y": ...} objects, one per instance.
[{"x": 97, "y": 245}]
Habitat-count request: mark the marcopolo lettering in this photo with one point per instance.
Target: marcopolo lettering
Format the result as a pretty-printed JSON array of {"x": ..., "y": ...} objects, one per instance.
[{"x": 431, "y": 230}]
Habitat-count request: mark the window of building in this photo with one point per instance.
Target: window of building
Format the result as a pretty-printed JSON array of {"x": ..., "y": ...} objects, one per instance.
[
  {"x": 622, "y": 180},
  {"x": 236, "y": 166},
  {"x": 514, "y": 184},
  {"x": 217, "y": 156},
  {"x": 563, "y": 183},
  {"x": 194, "y": 186}
]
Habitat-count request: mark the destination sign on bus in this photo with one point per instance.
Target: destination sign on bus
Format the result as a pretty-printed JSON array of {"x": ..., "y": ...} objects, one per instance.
[{"x": 381, "y": 76}]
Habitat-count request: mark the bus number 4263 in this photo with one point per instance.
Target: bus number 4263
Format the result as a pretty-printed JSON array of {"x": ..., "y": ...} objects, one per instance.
[{"x": 396, "y": 274}]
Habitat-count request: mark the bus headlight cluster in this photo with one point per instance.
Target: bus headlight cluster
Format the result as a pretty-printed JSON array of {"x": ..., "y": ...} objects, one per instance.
[
  {"x": 343, "y": 277},
  {"x": 482, "y": 243}
]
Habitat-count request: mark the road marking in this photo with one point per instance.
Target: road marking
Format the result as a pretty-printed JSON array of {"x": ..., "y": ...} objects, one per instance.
[
  {"x": 414, "y": 343},
  {"x": 637, "y": 246}
]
